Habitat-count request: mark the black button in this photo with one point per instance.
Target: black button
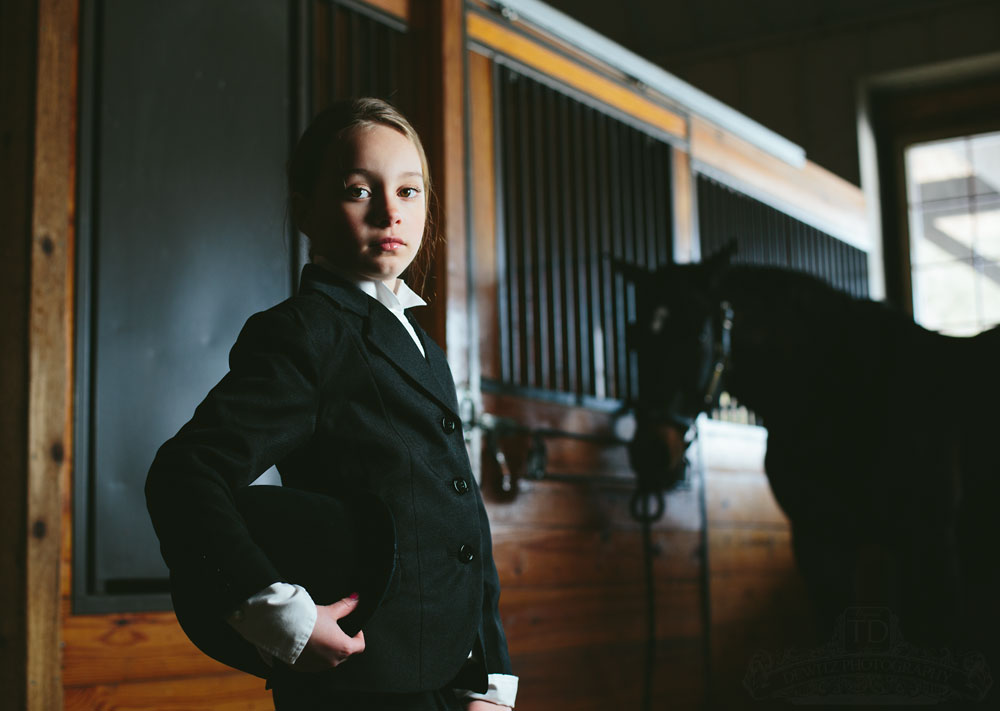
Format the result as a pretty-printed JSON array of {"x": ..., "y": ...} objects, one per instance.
[
  {"x": 465, "y": 553},
  {"x": 461, "y": 485},
  {"x": 448, "y": 425}
]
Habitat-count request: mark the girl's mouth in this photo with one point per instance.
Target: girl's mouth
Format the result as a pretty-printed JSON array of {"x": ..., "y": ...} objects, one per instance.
[{"x": 390, "y": 244}]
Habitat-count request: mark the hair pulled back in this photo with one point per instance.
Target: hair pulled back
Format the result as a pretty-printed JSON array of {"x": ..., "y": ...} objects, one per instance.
[{"x": 331, "y": 126}]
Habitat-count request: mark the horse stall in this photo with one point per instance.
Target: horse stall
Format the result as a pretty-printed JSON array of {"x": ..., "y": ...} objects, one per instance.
[{"x": 558, "y": 157}]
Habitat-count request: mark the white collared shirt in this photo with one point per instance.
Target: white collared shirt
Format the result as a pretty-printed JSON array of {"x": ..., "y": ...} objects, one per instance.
[
  {"x": 397, "y": 302},
  {"x": 403, "y": 298}
]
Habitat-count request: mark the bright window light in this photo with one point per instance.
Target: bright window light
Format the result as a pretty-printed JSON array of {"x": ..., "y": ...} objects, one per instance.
[{"x": 953, "y": 195}]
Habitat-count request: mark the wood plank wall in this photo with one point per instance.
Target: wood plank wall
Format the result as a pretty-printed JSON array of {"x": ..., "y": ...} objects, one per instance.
[
  {"x": 572, "y": 574},
  {"x": 758, "y": 600}
]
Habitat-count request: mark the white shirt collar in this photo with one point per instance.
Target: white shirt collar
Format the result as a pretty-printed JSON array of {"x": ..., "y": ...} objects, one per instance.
[{"x": 403, "y": 298}]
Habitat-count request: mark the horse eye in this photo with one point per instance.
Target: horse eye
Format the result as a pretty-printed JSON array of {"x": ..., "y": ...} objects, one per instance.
[{"x": 660, "y": 317}]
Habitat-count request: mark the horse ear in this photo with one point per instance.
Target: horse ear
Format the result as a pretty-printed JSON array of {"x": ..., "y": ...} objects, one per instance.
[
  {"x": 635, "y": 272},
  {"x": 717, "y": 266}
]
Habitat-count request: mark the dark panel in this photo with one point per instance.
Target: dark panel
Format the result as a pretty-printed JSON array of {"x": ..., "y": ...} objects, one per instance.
[
  {"x": 576, "y": 187},
  {"x": 185, "y": 128},
  {"x": 182, "y": 237}
]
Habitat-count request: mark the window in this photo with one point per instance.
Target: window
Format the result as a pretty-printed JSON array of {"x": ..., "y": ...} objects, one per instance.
[{"x": 953, "y": 200}]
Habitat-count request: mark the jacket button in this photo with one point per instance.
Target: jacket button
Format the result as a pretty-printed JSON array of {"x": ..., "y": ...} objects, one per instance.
[
  {"x": 465, "y": 553},
  {"x": 461, "y": 485},
  {"x": 448, "y": 425}
]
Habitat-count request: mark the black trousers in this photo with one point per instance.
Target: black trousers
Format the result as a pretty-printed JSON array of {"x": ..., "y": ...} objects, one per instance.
[{"x": 292, "y": 699}]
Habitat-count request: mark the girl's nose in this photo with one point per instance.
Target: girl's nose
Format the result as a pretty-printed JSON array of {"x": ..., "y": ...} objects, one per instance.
[{"x": 388, "y": 213}]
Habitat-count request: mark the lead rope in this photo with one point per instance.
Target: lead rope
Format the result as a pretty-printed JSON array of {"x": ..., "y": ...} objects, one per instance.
[{"x": 650, "y": 666}]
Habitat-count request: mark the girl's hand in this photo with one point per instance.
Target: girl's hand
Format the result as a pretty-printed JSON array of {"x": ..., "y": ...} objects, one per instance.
[
  {"x": 480, "y": 705},
  {"x": 328, "y": 645}
]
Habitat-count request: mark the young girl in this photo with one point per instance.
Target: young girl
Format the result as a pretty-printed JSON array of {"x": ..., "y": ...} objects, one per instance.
[{"x": 340, "y": 388}]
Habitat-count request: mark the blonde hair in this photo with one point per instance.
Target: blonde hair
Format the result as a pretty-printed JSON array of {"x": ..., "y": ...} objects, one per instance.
[{"x": 331, "y": 126}]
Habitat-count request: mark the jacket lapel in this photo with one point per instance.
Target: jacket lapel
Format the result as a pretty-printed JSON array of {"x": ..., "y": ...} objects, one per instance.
[
  {"x": 438, "y": 363},
  {"x": 384, "y": 333}
]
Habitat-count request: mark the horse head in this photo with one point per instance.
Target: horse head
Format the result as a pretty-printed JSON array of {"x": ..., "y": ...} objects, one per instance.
[{"x": 681, "y": 338}]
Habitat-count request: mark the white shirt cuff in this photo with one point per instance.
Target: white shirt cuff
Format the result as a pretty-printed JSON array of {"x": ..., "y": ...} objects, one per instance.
[
  {"x": 278, "y": 621},
  {"x": 501, "y": 689}
]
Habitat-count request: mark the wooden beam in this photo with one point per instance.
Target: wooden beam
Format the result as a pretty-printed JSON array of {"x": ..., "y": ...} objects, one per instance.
[
  {"x": 50, "y": 324},
  {"x": 685, "y": 209},
  {"x": 397, "y": 8},
  {"x": 438, "y": 27},
  {"x": 810, "y": 193},
  {"x": 484, "y": 215},
  {"x": 573, "y": 74}
]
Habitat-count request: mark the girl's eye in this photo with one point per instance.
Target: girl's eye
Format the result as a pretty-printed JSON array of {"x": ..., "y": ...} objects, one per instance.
[
  {"x": 408, "y": 192},
  {"x": 358, "y": 193}
]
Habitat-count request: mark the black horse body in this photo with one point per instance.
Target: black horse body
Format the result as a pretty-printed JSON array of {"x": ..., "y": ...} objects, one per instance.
[{"x": 881, "y": 437}]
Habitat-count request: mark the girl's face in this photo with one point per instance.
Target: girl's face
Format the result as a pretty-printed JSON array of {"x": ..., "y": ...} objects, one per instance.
[{"x": 368, "y": 210}]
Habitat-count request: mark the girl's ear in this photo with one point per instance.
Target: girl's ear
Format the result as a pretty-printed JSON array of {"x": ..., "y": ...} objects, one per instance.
[{"x": 301, "y": 213}]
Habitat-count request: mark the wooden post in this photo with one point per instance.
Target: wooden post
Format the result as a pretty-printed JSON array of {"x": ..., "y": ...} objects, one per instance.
[
  {"x": 440, "y": 38},
  {"x": 685, "y": 203},
  {"x": 50, "y": 334}
]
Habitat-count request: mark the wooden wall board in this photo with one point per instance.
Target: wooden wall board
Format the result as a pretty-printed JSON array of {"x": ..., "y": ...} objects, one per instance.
[
  {"x": 757, "y": 599},
  {"x": 533, "y": 412},
  {"x": 543, "y": 557},
  {"x": 749, "y": 600},
  {"x": 742, "y": 499},
  {"x": 105, "y": 649},
  {"x": 225, "y": 692},
  {"x": 764, "y": 550},
  {"x": 589, "y": 504},
  {"x": 610, "y": 676},
  {"x": 569, "y": 616}
]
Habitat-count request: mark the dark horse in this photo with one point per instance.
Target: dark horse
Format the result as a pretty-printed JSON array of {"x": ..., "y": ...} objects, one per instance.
[{"x": 882, "y": 435}]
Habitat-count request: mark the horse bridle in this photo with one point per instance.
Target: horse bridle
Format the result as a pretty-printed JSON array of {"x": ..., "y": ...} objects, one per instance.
[
  {"x": 676, "y": 413},
  {"x": 722, "y": 350}
]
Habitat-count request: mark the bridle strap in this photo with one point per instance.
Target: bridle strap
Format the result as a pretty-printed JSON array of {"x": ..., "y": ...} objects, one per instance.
[{"x": 722, "y": 348}]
